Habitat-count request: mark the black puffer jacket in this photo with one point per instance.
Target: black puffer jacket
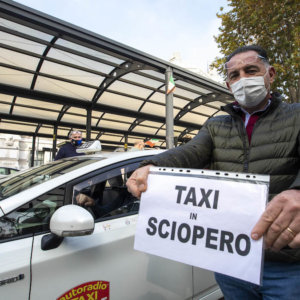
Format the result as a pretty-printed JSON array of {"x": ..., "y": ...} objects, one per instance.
[
  {"x": 67, "y": 150},
  {"x": 222, "y": 144}
]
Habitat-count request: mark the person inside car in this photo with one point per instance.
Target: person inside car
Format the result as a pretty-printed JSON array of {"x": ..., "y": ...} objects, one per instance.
[{"x": 103, "y": 197}]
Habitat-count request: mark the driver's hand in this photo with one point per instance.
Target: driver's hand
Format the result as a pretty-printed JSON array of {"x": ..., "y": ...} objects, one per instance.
[
  {"x": 280, "y": 223},
  {"x": 137, "y": 182},
  {"x": 84, "y": 200}
]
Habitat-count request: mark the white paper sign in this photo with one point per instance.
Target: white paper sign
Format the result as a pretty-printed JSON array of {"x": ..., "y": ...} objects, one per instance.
[{"x": 204, "y": 220}]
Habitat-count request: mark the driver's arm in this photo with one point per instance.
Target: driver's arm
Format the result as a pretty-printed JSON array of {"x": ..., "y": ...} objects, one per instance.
[{"x": 84, "y": 200}]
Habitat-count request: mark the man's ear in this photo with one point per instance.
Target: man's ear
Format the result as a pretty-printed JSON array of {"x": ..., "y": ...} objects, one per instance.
[{"x": 272, "y": 74}]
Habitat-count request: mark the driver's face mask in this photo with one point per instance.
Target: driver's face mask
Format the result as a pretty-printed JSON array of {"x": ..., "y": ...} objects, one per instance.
[
  {"x": 76, "y": 142},
  {"x": 250, "y": 91}
]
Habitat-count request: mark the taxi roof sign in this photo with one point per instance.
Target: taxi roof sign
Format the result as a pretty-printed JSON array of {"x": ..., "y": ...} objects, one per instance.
[{"x": 90, "y": 147}]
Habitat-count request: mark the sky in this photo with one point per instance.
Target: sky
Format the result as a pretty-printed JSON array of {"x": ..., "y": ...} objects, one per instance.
[{"x": 162, "y": 28}]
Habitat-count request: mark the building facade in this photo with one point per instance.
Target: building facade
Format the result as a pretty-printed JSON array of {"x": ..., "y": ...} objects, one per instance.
[{"x": 16, "y": 151}]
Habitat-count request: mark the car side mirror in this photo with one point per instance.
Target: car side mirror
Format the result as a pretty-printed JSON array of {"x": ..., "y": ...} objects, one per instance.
[{"x": 71, "y": 220}]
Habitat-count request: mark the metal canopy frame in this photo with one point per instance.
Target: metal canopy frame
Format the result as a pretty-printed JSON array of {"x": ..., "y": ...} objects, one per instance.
[{"x": 55, "y": 76}]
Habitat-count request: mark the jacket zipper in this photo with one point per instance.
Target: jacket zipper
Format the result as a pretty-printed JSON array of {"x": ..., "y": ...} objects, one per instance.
[{"x": 246, "y": 145}]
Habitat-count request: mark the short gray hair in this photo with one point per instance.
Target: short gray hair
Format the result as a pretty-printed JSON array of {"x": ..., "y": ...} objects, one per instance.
[
  {"x": 74, "y": 131},
  {"x": 258, "y": 49}
]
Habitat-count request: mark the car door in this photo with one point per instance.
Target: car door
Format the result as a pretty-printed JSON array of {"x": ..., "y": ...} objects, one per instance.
[
  {"x": 205, "y": 286},
  {"x": 15, "y": 268},
  {"x": 17, "y": 230},
  {"x": 106, "y": 259}
]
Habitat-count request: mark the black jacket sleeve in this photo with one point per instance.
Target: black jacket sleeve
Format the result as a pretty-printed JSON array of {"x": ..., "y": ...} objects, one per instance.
[
  {"x": 194, "y": 154},
  {"x": 60, "y": 154}
]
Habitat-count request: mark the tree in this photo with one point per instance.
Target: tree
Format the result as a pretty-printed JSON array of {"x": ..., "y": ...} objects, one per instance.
[{"x": 272, "y": 24}]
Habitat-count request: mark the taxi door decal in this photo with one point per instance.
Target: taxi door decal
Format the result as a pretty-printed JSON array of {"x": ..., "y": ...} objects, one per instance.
[{"x": 93, "y": 290}]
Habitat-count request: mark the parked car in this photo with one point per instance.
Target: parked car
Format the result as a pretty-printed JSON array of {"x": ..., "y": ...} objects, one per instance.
[
  {"x": 5, "y": 171},
  {"x": 52, "y": 248}
]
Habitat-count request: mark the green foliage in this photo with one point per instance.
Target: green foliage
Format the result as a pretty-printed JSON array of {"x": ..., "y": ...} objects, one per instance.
[{"x": 272, "y": 24}]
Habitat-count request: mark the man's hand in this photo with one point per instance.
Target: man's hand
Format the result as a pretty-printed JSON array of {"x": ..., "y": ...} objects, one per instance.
[
  {"x": 137, "y": 182},
  {"x": 280, "y": 223},
  {"x": 84, "y": 200}
]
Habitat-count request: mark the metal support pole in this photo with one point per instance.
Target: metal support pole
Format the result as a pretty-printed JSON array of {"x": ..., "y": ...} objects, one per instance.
[
  {"x": 126, "y": 143},
  {"x": 169, "y": 113},
  {"x": 32, "y": 151},
  {"x": 54, "y": 141},
  {"x": 88, "y": 124}
]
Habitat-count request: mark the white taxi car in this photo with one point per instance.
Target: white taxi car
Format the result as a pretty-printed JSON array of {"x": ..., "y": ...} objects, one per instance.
[{"x": 52, "y": 248}]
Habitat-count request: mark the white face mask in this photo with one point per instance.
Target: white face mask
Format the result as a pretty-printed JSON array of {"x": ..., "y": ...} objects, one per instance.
[{"x": 249, "y": 91}]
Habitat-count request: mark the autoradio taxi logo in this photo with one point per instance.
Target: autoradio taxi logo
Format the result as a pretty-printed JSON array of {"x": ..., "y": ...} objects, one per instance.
[{"x": 93, "y": 290}]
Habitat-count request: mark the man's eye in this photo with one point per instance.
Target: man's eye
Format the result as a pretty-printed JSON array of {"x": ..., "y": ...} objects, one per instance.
[
  {"x": 232, "y": 76},
  {"x": 252, "y": 71}
]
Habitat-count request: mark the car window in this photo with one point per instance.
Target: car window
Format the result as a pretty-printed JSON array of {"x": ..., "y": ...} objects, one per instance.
[
  {"x": 13, "y": 171},
  {"x": 105, "y": 194},
  {"x": 3, "y": 171},
  {"x": 38, "y": 175},
  {"x": 33, "y": 217}
]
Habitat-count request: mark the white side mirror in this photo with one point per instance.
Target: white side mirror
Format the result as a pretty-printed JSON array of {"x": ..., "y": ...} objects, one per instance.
[{"x": 72, "y": 220}]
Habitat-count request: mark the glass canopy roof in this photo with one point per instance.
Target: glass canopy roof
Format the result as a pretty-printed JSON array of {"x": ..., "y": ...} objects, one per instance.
[{"x": 55, "y": 76}]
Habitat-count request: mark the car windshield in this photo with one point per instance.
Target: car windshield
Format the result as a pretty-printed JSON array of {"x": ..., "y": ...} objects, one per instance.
[{"x": 37, "y": 175}]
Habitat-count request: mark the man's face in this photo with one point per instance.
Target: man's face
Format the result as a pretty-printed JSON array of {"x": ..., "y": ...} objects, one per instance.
[
  {"x": 141, "y": 145},
  {"x": 248, "y": 64},
  {"x": 76, "y": 136}
]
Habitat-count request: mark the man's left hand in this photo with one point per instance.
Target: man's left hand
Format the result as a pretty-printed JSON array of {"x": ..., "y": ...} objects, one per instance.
[{"x": 280, "y": 223}]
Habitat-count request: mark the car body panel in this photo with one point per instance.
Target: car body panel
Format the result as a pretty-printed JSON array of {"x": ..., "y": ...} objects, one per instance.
[
  {"x": 108, "y": 255},
  {"x": 202, "y": 279},
  {"x": 15, "y": 269}
]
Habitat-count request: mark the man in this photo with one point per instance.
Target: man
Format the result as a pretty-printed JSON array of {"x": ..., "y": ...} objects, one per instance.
[
  {"x": 69, "y": 148},
  {"x": 138, "y": 145},
  {"x": 260, "y": 134}
]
